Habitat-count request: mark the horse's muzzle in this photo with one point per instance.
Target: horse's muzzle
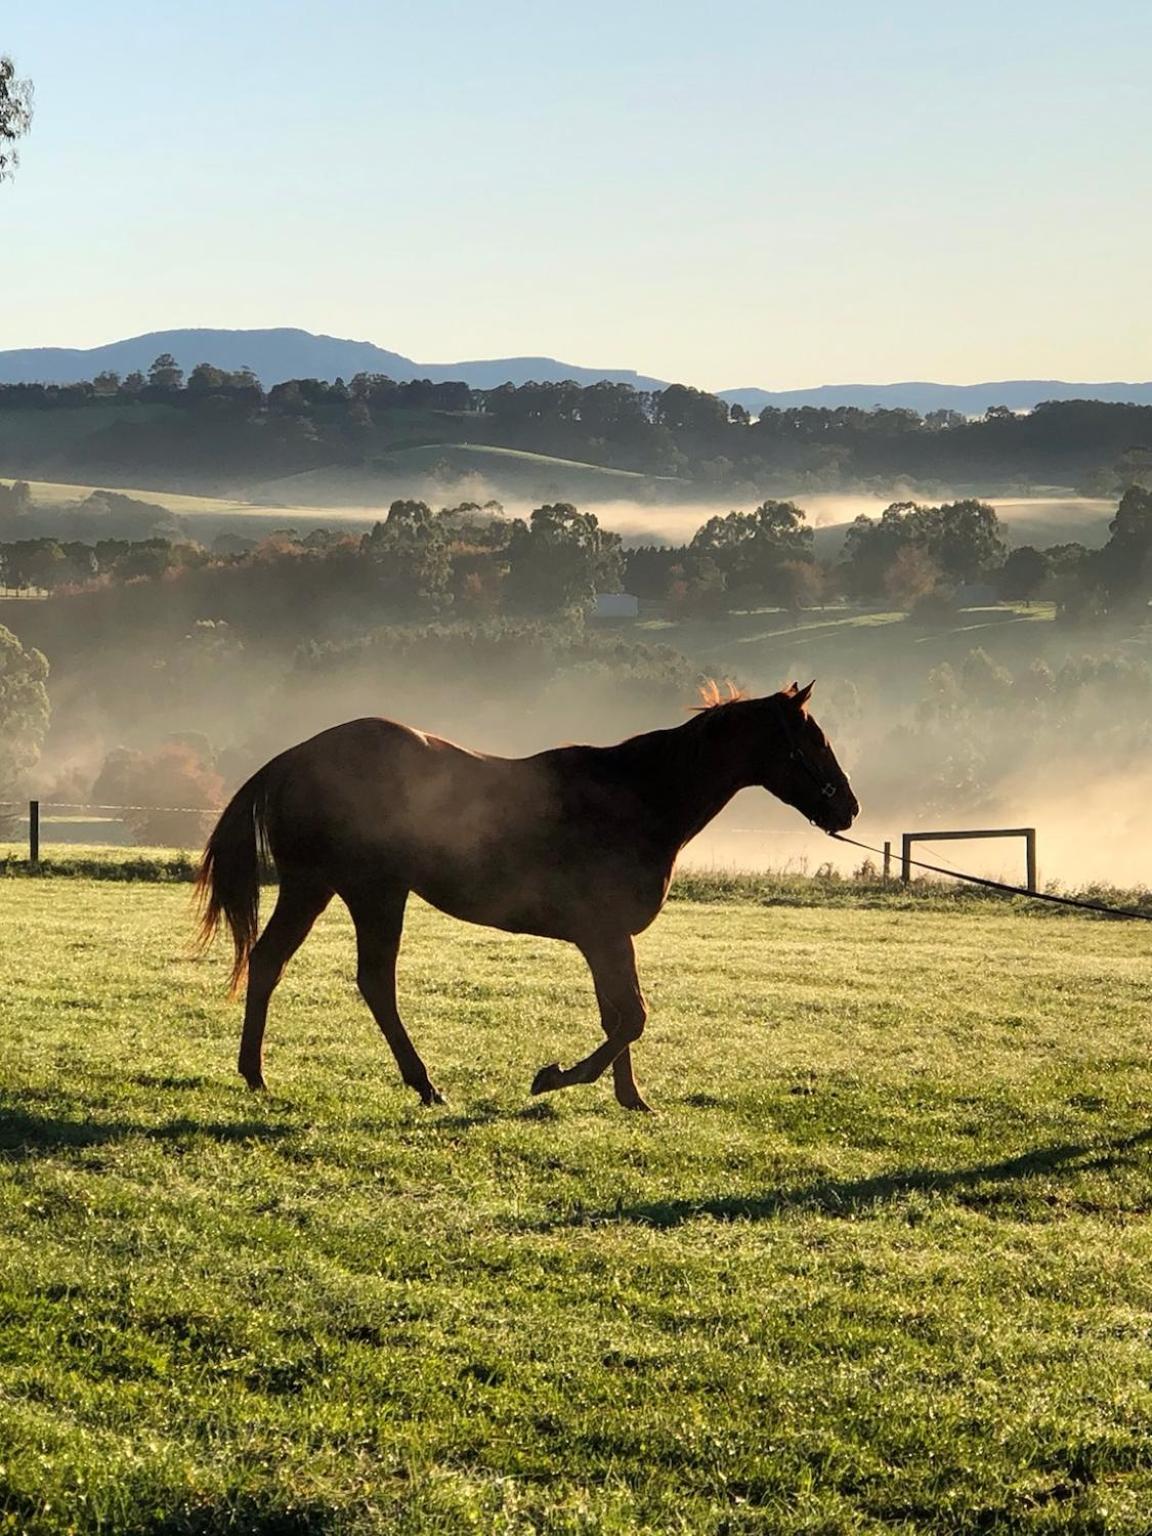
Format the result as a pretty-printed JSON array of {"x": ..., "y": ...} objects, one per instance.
[{"x": 838, "y": 815}]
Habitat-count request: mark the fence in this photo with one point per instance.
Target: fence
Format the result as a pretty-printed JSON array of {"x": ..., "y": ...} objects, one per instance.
[
  {"x": 11, "y": 811},
  {"x": 908, "y": 838}
]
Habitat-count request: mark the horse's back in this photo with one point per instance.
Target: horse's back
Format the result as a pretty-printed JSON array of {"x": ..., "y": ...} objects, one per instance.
[
  {"x": 540, "y": 844},
  {"x": 377, "y": 786}
]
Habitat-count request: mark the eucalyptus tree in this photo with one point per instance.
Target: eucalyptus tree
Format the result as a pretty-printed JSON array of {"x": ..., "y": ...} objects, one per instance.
[{"x": 15, "y": 114}]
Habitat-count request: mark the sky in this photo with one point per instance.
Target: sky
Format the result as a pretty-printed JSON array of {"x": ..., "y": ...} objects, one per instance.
[{"x": 728, "y": 195}]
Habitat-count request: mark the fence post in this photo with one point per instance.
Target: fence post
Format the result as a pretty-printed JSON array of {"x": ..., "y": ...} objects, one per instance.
[
  {"x": 906, "y": 857},
  {"x": 887, "y": 859},
  {"x": 34, "y": 832},
  {"x": 1030, "y": 840}
]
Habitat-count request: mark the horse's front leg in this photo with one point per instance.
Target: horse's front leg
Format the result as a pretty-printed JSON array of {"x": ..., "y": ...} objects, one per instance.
[{"x": 622, "y": 1016}]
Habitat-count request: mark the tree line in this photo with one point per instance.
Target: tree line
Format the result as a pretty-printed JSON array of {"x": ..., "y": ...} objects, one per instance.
[
  {"x": 227, "y": 423},
  {"x": 473, "y": 560}
]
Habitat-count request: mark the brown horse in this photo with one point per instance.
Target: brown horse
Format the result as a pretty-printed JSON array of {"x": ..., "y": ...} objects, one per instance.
[{"x": 577, "y": 843}]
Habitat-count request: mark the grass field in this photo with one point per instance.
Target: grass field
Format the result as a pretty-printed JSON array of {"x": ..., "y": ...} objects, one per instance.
[
  {"x": 448, "y": 472},
  {"x": 760, "y": 648},
  {"x": 879, "y": 1263}
]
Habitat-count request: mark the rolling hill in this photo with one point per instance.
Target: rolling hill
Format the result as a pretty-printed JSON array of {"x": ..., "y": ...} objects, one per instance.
[
  {"x": 445, "y": 472},
  {"x": 968, "y": 399},
  {"x": 287, "y": 353}
]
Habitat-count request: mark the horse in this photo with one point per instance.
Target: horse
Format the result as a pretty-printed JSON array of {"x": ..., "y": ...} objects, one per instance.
[{"x": 576, "y": 843}]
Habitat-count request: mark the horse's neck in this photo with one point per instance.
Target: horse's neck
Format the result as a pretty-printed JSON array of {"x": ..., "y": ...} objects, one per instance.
[{"x": 699, "y": 767}]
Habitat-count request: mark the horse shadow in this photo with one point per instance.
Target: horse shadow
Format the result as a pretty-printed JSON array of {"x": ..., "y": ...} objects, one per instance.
[
  {"x": 853, "y": 1197},
  {"x": 26, "y": 1133}
]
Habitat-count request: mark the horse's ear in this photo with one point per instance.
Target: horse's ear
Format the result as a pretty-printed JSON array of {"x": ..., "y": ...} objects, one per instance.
[{"x": 800, "y": 696}]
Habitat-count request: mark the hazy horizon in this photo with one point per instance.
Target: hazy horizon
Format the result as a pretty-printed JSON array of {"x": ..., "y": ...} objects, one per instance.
[
  {"x": 781, "y": 200},
  {"x": 612, "y": 366}
]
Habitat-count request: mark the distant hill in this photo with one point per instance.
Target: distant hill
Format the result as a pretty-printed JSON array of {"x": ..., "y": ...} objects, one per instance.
[
  {"x": 285, "y": 353},
  {"x": 969, "y": 399},
  {"x": 276, "y": 355}
]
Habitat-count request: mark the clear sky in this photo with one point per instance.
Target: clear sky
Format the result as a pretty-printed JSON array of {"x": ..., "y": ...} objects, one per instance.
[{"x": 729, "y": 194}]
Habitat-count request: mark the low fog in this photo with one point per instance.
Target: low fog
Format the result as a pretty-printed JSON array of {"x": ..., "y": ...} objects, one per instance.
[
  {"x": 990, "y": 720},
  {"x": 1041, "y": 518},
  {"x": 1078, "y": 770}
]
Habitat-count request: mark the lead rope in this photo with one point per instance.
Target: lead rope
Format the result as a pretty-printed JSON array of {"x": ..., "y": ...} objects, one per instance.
[{"x": 1014, "y": 890}]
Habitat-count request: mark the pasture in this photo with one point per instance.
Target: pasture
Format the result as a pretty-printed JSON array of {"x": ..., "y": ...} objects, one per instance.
[{"x": 879, "y": 1262}]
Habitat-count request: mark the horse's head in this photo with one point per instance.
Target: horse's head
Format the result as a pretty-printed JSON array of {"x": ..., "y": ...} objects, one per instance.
[{"x": 800, "y": 766}]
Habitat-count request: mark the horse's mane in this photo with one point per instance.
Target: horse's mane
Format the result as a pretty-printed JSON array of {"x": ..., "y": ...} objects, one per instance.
[{"x": 714, "y": 696}]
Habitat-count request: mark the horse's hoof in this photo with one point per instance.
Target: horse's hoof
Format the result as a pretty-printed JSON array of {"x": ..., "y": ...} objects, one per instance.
[
  {"x": 547, "y": 1080},
  {"x": 431, "y": 1097},
  {"x": 256, "y": 1083},
  {"x": 637, "y": 1104}
]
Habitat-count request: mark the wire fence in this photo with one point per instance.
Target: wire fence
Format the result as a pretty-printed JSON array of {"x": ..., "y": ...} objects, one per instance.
[
  {"x": 168, "y": 826},
  {"x": 21, "y": 808}
]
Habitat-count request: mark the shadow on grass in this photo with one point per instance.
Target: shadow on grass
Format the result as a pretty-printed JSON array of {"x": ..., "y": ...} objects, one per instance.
[
  {"x": 251, "y": 1515},
  {"x": 24, "y": 1133},
  {"x": 851, "y": 1197}
]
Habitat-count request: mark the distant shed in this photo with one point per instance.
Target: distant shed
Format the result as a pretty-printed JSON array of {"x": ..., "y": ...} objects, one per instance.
[{"x": 616, "y": 605}]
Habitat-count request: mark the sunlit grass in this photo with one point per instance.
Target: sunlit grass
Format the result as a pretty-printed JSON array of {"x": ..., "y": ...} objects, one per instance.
[{"x": 879, "y": 1262}]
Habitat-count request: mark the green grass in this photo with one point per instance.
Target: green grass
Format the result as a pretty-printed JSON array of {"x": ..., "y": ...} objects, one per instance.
[
  {"x": 48, "y": 493},
  {"x": 770, "y": 888},
  {"x": 27, "y": 435},
  {"x": 879, "y": 1263},
  {"x": 445, "y": 472},
  {"x": 759, "y": 646},
  {"x": 227, "y": 511}
]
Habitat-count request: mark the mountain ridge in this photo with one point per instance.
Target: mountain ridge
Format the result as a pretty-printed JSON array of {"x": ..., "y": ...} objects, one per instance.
[{"x": 285, "y": 352}]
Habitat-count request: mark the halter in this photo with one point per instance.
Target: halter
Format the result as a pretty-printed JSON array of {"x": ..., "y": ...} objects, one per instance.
[{"x": 824, "y": 787}]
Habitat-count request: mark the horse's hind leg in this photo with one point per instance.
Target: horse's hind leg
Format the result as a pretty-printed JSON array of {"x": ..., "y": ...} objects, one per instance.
[
  {"x": 622, "y": 1015},
  {"x": 379, "y": 918},
  {"x": 300, "y": 902}
]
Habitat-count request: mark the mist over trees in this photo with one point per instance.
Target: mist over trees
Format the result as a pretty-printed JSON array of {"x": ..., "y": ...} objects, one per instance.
[
  {"x": 24, "y": 713},
  {"x": 177, "y": 666}
]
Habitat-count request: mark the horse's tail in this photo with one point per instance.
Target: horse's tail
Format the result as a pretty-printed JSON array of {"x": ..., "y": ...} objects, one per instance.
[{"x": 228, "y": 880}]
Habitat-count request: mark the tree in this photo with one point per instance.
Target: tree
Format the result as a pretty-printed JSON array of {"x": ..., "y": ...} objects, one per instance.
[
  {"x": 912, "y": 575},
  {"x": 985, "y": 681},
  {"x": 696, "y": 588},
  {"x": 15, "y": 114},
  {"x": 165, "y": 374},
  {"x": 1125, "y": 562},
  {"x": 172, "y": 793},
  {"x": 15, "y": 504},
  {"x": 685, "y": 409},
  {"x": 961, "y": 537},
  {"x": 1024, "y": 572},
  {"x": 944, "y": 420},
  {"x": 410, "y": 550},
  {"x": 23, "y": 712},
  {"x": 966, "y": 539},
  {"x": 206, "y": 379},
  {"x": 752, "y": 548},
  {"x": 561, "y": 560},
  {"x": 800, "y": 584},
  {"x": 1073, "y": 572},
  {"x": 34, "y": 563}
]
